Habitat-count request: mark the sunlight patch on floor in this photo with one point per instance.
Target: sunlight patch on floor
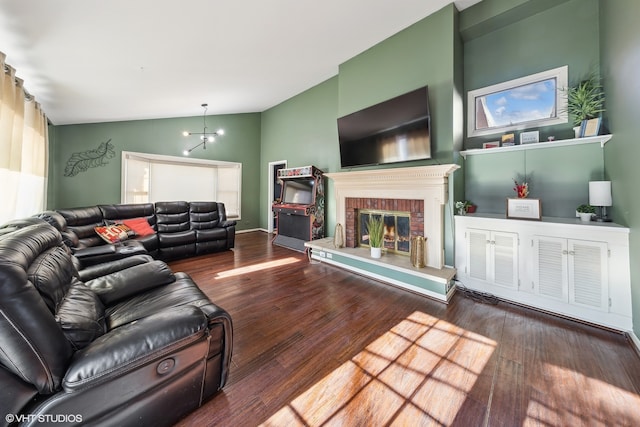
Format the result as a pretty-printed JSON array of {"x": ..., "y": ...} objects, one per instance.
[
  {"x": 571, "y": 398},
  {"x": 256, "y": 267},
  {"x": 404, "y": 376}
]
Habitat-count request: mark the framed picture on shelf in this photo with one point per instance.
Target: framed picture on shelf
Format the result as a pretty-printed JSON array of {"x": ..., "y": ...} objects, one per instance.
[
  {"x": 508, "y": 138},
  {"x": 590, "y": 127},
  {"x": 530, "y": 137},
  {"x": 524, "y": 209},
  {"x": 492, "y": 144}
]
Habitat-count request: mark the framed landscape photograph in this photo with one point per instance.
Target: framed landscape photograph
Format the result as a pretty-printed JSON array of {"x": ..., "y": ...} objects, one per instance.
[
  {"x": 508, "y": 138},
  {"x": 524, "y": 209}
]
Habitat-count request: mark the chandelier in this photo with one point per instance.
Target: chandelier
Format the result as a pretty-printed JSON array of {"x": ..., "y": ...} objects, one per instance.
[{"x": 204, "y": 135}]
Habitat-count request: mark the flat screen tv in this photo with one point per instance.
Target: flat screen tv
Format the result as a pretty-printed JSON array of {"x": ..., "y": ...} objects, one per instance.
[
  {"x": 299, "y": 191},
  {"x": 395, "y": 130}
]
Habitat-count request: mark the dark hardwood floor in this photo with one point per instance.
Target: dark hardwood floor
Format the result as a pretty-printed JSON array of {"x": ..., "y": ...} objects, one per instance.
[{"x": 315, "y": 345}]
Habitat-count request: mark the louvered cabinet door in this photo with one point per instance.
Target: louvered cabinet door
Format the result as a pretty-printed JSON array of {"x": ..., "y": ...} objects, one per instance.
[
  {"x": 588, "y": 275},
  {"x": 478, "y": 246},
  {"x": 505, "y": 258},
  {"x": 550, "y": 256},
  {"x": 492, "y": 256}
]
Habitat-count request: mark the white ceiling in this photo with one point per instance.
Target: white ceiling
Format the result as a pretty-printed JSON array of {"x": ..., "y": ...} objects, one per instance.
[{"x": 96, "y": 61}]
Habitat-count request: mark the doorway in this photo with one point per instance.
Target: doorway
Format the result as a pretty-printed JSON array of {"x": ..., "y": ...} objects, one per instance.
[{"x": 275, "y": 191}]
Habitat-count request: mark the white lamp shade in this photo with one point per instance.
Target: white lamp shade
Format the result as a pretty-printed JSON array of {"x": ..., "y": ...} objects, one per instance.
[{"x": 600, "y": 193}]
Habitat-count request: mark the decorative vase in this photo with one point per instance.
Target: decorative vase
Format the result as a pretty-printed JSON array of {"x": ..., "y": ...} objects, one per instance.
[
  {"x": 576, "y": 131},
  {"x": 417, "y": 251},
  {"x": 376, "y": 252},
  {"x": 338, "y": 237}
]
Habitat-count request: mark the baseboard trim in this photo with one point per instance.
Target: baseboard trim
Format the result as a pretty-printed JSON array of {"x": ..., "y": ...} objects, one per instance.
[
  {"x": 635, "y": 341},
  {"x": 250, "y": 230}
]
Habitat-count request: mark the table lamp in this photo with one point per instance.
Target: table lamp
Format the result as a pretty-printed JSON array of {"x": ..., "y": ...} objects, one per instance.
[{"x": 600, "y": 195}]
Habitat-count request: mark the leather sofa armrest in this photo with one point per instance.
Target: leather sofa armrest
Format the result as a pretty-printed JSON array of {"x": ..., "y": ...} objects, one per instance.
[
  {"x": 103, "y": 269},
  {"x": 130, "y": 281},
  {"x": 132, "y": 346},
  {"x": 229, "y": 223},
  {"x": 92, "y": 251}
]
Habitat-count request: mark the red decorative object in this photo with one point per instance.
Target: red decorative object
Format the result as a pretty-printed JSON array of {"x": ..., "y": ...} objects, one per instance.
[{"x": 522, "y": 190}]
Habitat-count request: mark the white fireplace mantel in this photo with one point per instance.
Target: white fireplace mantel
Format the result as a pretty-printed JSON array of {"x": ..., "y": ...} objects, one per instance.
[{"x": 428, "y": 183}]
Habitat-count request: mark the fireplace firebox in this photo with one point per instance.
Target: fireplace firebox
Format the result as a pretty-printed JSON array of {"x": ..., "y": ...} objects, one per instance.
[{"x": 397, "y": 229}]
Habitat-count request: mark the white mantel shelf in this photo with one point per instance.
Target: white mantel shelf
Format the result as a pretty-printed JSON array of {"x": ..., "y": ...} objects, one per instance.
[{"x": 601, "y": 139}]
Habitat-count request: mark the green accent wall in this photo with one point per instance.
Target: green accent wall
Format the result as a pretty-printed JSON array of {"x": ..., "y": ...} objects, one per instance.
[
  {"x": 303, "y": 129},
  {"x": 540, "y": 40},
  {"x": 101, "y": 185},
  {"x": 620, "y": 54}
]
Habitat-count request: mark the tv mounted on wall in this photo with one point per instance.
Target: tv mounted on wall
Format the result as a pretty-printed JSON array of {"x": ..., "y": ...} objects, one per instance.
[{"x": 395, "y": 130}]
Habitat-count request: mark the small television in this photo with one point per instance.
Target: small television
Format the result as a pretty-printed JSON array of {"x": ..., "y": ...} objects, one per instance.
[
  {"x": 298, "y": 191},
  {"x": 395, "y": 130}
]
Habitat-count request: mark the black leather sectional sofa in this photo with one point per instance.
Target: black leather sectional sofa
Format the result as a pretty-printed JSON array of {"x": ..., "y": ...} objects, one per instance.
[
  {"x": 182, "y": 229},
  {"x": 119, "y": 342}
]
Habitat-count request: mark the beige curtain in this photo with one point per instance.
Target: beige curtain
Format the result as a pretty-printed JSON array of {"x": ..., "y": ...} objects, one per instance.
[{"x": 24, "y": 145}]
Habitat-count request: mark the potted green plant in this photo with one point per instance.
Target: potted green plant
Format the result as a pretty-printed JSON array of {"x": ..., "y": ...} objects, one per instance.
[
  {"x": 585, "y": 212},
  {"x": 585, "y": 100},
  {"x": 465, "y": 207},
  {"x": 375, "y": 225}
]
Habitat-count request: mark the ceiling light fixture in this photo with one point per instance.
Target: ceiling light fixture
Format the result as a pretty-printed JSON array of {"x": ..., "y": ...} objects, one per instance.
[{"x": 204, "y": 135}]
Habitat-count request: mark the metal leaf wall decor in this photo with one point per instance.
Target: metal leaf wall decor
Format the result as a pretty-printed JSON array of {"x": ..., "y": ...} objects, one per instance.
[{"x": 80, "y": 162}]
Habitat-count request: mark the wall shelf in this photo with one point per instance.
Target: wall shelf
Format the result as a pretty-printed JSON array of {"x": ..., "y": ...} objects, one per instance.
[{"x": 602, "y": 139}]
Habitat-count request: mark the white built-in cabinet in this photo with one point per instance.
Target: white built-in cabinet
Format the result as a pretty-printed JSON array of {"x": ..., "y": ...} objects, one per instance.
[
  {"x": 493, "y": 256},
  {"x": 571, "y": 271},
  {"x": 558, "y": 265}
]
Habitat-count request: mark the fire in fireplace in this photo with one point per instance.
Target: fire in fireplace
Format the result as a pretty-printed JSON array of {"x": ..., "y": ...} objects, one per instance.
[{"x": 397, "y": 229}]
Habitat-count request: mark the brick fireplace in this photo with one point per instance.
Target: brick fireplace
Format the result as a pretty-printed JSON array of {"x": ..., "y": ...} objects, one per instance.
[
  {"x": 423, "y": 191},
  {"x": 353, "y": 205}
]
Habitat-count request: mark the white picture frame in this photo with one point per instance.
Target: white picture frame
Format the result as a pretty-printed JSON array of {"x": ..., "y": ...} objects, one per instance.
[
  {"x": 482, "y": 119},
  {"x": 530, "y": 137},
  {"x": 524, "y": 209}
]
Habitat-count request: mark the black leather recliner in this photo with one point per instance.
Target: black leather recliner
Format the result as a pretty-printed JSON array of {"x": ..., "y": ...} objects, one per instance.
[{"x": 139, "y": 345}]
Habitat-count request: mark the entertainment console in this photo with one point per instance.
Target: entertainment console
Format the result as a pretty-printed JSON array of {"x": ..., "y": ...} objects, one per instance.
[{"x": 300, "y": 212}]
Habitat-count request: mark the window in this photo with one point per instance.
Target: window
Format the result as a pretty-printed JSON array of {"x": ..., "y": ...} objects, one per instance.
[
  {"x": 523, "y": 103},
  {"x": 153, "y": 178}
]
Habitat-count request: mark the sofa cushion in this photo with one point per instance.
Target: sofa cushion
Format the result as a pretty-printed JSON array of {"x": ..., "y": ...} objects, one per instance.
[
  {"x": 140, "y": 226},
  {"x": 204, "y": 215},
  {"x": 51, "y": 272},
  {"x": 123, "y": 284},
  {"x": 82, "y": 221},
  {"x": 81, "y": 315},
  {"x": 183, "y": 291}
]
